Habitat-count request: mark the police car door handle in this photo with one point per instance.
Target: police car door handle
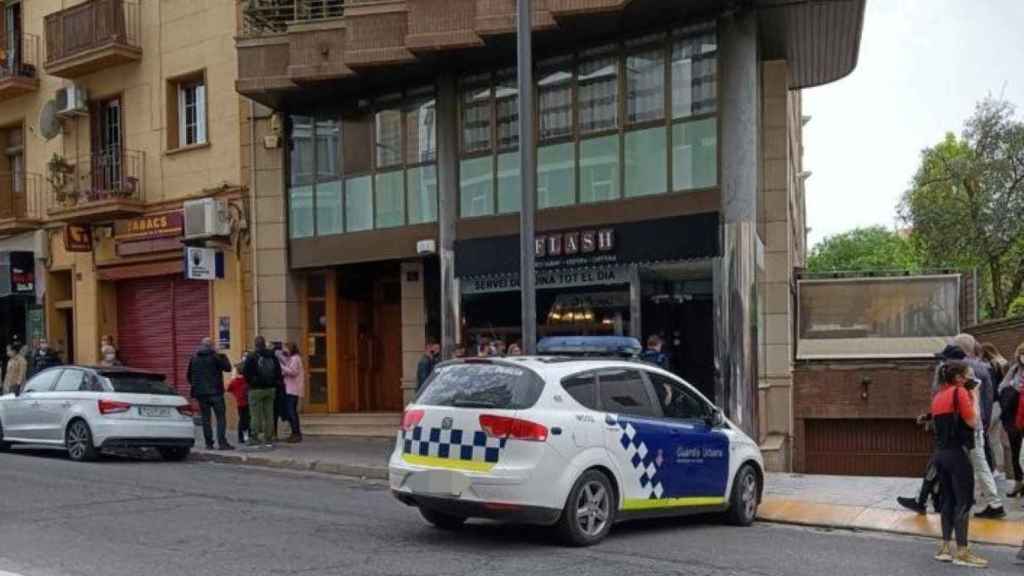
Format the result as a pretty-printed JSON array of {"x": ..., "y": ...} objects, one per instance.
[
  {"x": 609, "y": 420},
  {"x": 556, "y": 431}
]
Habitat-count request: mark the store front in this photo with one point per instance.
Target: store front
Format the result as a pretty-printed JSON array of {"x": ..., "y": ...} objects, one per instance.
[{"x": 632, "y": 279}]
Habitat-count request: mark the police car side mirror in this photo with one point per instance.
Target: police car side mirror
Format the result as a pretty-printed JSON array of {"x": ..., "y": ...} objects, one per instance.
[{"x": 715, "y": 419}]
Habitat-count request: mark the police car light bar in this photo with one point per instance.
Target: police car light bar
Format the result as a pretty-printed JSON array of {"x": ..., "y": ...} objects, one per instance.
[{"x": 590, "y": 346}]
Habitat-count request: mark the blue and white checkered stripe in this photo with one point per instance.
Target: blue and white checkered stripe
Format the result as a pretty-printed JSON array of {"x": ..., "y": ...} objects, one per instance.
[
  {"x": 452, "y": 444},
  {"x": 645, "y": 468}
]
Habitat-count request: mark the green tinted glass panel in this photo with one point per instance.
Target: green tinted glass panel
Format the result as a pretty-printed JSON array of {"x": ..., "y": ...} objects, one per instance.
[
  {"x": 599, "y": 169},
  {"x": 328, "y": 208},
  {"x": 389, "y": 202},
  {"x": 556, "y": 175},
  {"x": 300, "y": 211},
  {"x": 510, "y": 192},
  {"x": 695, "y": 154},
  {"x": 358, "y": 204},
  {"x": 422, "y": 190},
  {"x": 646, "y": 162},
  {"x": 476, "y": 187}
]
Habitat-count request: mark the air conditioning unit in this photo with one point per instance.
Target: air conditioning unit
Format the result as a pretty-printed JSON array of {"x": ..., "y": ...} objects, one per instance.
[
  {"x": 72, "y": 100},
  {"x": 207, "y": 218}
]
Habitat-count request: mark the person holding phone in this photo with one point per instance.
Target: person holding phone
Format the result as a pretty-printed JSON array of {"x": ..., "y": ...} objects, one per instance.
[{"x": 955, "y": 418}]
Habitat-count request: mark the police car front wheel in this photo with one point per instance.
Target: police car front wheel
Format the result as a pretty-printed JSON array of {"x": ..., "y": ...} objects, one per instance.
[
  {"x": 589, "y": 511},
  {"x": 745, "y": 492},
  {"x": 442, "y": 520}
]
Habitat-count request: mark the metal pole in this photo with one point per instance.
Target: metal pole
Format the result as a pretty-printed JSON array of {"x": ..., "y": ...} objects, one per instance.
[{"x": 528, "y": 176}]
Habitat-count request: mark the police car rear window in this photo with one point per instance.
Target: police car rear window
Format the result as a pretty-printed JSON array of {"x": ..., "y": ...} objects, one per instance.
[{"x": 482, "y": 386}]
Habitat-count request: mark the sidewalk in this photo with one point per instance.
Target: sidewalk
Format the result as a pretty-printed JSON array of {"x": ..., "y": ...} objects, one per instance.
[
  {"x": 842, "y": 502},
  {"x": 866, "y": 503}
]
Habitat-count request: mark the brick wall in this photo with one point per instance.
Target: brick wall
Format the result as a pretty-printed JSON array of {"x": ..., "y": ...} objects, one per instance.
[
  {"x": 859, "y": 416},
  {"x": 1005, "y": 334}
]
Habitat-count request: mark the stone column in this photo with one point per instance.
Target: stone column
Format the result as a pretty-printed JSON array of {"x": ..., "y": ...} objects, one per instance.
[
  {"x": 735, "y": 275},
  {"x": 278, "y": 313},
  {"x": 414, "y": 325}
]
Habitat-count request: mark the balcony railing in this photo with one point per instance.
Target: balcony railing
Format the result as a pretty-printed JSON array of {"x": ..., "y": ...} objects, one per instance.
[
  {"x": 90, "y": 26},
  {"x": 111, "y": 176},
  {"x": 261, "y": 17},
  {"x": 20, "y": 197}
]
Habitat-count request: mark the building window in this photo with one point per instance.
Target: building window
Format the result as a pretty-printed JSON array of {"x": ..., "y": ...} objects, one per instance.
[
  {"x": 186, "y": 111},
  {"x": 615, "y": 121},
  {"x": 372, "y": 168}
]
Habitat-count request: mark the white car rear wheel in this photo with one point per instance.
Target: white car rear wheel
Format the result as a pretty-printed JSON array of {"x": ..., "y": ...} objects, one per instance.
[
  {"x": 78, "y": 440},
  {"x": 442, "y": 520},
  {"x": 590, "y": 510}
]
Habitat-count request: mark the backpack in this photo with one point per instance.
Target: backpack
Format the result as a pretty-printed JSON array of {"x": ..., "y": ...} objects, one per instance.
[
  {"x": 1009, "y": 398},
  {"x": 266, "y": 370}
]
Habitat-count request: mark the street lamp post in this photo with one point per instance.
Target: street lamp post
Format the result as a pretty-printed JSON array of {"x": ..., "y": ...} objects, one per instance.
[{"x": 528, "y": 173}]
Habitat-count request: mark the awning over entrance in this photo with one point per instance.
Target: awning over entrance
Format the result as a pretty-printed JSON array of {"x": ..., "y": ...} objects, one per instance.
[{"x": 668, "y": 239}]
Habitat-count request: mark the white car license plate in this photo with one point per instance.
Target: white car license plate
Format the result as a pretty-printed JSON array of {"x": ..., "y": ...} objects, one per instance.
[
  {"x": 438, "y": 482},
  {"x": 154, "y": 411}
]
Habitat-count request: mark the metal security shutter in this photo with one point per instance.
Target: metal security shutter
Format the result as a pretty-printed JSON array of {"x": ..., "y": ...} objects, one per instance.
[
  {"x": 191, "y": 324},
  {"x": 145, "y": 324},
  {"x": 160, "y": 323},
  {"x": 867, "y": 447}
]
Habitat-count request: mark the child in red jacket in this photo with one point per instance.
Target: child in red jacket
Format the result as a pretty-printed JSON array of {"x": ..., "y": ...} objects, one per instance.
[{"x": 239, "y": 388}]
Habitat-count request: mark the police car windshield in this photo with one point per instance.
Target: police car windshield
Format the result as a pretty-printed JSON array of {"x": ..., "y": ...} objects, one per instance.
[{"x": 482, "y": 385}]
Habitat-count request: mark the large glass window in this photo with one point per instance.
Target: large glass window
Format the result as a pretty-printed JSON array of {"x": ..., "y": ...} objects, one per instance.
[
  {"x": 645, "y": 86},
  {"x": 646, "y": 162},
  {"x": 476, "y": 186},
  {"x": 554, "y": 99},
  {"x": 389, "y": 204},
  {"x": 695, "y": 154},
  {"x": 556, "y": 175},
  {"x": 598, "y": 94},
  {"x": 599, "y": 169},
  {"x": 613, "y": 122},
  {"x": 374, "y": 167}
]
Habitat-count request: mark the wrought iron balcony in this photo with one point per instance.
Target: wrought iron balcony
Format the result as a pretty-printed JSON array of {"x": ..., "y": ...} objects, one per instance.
[
  {"x": 19, "y": 59},
  {"x": 97, "y": 186},
  {"x": 261, "y": 17}
]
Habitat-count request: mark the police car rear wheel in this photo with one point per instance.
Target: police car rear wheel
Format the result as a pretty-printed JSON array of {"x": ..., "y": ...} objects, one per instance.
[
  {"x": 743, "y": 503},
  {"x": 589, "y": 511},
  {"x": 442, "y": 520}
]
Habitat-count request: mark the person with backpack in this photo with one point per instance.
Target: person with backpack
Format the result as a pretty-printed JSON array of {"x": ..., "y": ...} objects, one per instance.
[
  {"x": 1009, "y": 401},
  {"x": 262, "y": 371}
]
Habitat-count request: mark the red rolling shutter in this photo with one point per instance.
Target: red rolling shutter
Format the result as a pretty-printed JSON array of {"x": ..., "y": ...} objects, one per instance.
[
  {"x": 191, "y": 324},
  {"x": 160, "y": 323}
]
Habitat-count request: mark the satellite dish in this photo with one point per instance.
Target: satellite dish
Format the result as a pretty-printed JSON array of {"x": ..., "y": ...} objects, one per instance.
[{"x": 49, "y": 124}]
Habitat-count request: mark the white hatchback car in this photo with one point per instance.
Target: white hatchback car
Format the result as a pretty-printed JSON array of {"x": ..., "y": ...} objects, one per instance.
[
  {"x": 88, "y": 410},
  {"x": 577, "y": 443}
]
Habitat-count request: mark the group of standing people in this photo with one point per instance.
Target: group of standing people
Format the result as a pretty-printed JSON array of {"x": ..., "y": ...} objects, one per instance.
[
  {"x": 22, "y": 363},
  {"x": 976, "y": 403},
  {"x": 267, "y": 384}
]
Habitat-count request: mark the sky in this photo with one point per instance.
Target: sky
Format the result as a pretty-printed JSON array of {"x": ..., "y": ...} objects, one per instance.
[{"x": 923, "y": 65}]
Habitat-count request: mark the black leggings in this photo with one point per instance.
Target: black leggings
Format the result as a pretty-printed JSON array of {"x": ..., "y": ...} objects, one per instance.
[
  {"x": 1015, "y": 441},
  {"x": 956, "y": 477}
]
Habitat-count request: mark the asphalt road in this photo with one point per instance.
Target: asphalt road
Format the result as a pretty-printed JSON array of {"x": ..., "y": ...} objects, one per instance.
[{"x": 128, "y": 517}]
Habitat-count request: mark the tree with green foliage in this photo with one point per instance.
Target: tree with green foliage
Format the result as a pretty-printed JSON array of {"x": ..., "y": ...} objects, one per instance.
[
  {"x": 966, "y": 203},
  {"x": 863, "y": 249}
]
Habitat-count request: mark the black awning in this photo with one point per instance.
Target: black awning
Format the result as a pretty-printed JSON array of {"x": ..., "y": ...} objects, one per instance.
[{"x": 678, "y": 238}]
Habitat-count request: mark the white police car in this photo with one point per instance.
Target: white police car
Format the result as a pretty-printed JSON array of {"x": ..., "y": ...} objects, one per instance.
[{"x": 577, "y": 442}]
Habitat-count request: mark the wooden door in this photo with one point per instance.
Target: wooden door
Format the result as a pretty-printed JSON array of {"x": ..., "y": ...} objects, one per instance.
[
  {"x": 388, "y": 357},
  {"x": 347, "y": 396}
]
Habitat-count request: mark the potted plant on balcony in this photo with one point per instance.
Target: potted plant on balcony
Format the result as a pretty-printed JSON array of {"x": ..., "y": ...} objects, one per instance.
[{"x": 59, "y": 173}]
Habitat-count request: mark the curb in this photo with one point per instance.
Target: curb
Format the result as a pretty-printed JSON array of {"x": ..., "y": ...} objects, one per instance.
[
  {"x": 839, "y": 516},
  {"x": 333, "y": 468}
]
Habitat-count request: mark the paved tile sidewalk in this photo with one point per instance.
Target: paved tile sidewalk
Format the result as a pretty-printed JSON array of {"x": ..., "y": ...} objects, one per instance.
[{"x": 845, "y": 502}]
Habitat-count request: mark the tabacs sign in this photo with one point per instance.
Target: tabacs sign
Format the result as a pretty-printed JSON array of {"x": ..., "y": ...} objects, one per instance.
[{"x": 151, "y": 226}]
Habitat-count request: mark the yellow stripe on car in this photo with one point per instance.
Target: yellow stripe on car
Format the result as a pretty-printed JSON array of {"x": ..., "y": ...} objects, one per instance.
[
  {"x": 451, "y": 464},
  {"x": 653, "y": 504}
]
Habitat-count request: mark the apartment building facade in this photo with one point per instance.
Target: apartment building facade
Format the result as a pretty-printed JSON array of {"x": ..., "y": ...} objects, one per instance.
[{"x": 114, "y": 113}]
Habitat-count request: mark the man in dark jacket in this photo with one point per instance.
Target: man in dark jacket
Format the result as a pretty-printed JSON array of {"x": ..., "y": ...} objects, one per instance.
[
  {"x": 263, "y": 372},
  {"x": 426, "y": 364},
  {"x": 206, "y": 371},
  {"x": 44, "y": 357}
]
